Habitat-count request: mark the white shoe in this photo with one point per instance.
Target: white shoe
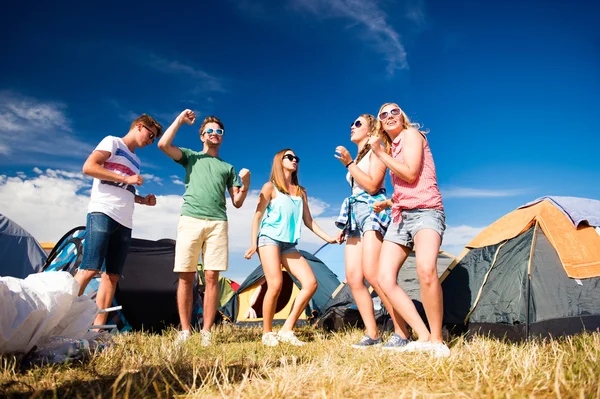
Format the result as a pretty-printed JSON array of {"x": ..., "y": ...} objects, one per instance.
[
  {"x": 206, "y": 338},
  {"x": 270, "y": 339},
  {"x": 183, "y": 336},
  {"x": 290, "y": 338},
  {"x": 436, "y": 349}
]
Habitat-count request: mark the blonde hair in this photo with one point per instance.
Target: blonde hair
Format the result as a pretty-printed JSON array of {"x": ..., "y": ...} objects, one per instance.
[
  {"x": 148, "y": 121},
  {"x": 277, "y": 176},
  {"x": 405, "y": 121}
]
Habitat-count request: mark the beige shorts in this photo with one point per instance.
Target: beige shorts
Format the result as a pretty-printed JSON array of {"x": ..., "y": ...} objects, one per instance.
[{"x": 195, "y": 236}]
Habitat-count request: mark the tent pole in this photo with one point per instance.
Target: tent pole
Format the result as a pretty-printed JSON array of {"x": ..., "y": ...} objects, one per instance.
[{"x": 528, "y": 288}]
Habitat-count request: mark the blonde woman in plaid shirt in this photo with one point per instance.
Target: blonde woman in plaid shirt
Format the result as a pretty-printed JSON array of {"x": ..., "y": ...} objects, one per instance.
[{"x": 363, "y": 229}]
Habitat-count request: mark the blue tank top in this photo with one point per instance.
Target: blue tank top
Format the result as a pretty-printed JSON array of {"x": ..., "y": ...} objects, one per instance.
[{"x": 283, "y": 218}]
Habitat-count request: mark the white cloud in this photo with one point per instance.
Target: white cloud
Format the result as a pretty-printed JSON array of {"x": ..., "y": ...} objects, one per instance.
[
  {"x": 456, "y": 237},
  {"x": 37, "y": 170},
  {"x": 152, "y": 178},
  {"x": 175, "y": 180},
  {"x": 30, "y": 127},
  {"x": 203, "y": 80},
  {"x": 465, "y": 192},
  {"x": 367, "y": 14}
]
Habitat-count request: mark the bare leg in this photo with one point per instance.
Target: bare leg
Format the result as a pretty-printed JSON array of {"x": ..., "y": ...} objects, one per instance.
[
  {"x": 83, "y": 277},
  {"x": 185, "y": 298},
  {"x": 372, "y": 242},
  {"x": 355, "y": 279},
  {"x": 211, "y": 298},
  {"x": 299, "y": 268},
  {"x": 427, "y": 246},
  {"x": 104, "y": 297},
  {"x": 271, "y": 264},
  {"x": 391, "y": 259}
]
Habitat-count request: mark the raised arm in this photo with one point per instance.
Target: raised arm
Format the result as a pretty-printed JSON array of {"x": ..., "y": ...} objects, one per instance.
[
  {"x": 312, "y": 225},
  {"x": 238, "y": 194},
  {"x": 412, "y": 151},
  {"x": 166, "y": 141},
  {"x": 263, "y": 200},
  {"x": 372, "y": 180}
]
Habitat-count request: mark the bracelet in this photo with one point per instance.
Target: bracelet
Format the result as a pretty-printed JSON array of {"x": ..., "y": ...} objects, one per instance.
[
  {"x": 349, "y": 163},
  {"x": 243, "y": 191}
]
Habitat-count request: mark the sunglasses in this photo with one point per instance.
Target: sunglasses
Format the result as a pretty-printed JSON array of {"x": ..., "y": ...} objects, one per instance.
[
  {"x": 356, "y": 124},
  {"x": 384, "y": 115},
  {"x": 291, "y": 158},
  {"x": 215, "y": 131},
  {"x": 152, "y": 134}
]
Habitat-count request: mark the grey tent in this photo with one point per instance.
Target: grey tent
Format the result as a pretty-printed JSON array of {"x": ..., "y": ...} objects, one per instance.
[
  {"x": 531, "y": 273},
  {"x": 341, "y": 310},
  {"x": 246, "y": 305},
  {"x": 20, "y": 253}
]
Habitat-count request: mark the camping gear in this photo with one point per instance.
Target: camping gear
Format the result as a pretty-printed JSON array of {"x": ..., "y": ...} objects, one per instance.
[
  {"x": 245, "y": 307},
  {"x": 532, "y": 273},
  {"x": 41, "y": 306},
  {"x": 20, "y": 253}
]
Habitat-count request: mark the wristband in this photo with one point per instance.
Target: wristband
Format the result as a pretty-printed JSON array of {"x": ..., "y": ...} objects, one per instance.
[{"x": 349, "y": 163}]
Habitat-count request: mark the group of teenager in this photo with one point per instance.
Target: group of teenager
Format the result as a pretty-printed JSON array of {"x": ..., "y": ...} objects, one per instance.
[{"x": 379, "y": 232}]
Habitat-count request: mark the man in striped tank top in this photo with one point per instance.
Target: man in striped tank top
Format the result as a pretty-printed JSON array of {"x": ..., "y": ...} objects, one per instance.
[
  {"x": 418, "y": 221},
  {"x": 116, "y": 171}
]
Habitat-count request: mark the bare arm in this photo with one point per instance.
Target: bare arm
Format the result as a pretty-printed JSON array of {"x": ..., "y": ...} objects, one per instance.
[
  {"x": 370, "y": 181},
  {"x": 238, "y": 194},
  {"x": 263, "y": 200},
  {"x": 94, "y": 167},
  {"x": 311, "y": 224},
  {"x": 166, "y": 141},
  {"x": 412, "y": 151}
]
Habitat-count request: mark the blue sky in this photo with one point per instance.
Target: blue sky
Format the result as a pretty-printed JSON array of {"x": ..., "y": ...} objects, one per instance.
[{"x": 509, "y": 92}]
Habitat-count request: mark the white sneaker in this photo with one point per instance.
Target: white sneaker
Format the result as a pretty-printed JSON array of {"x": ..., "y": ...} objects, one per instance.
[
  {"x": 290, "y": 338},
  {"x": 206, "y": 338},
  {"x": 183, "y": 336},
  {"x": 270, "y": 339},
  {"x": 440, "y": 350},
  {"x": 436, "y": 349}
]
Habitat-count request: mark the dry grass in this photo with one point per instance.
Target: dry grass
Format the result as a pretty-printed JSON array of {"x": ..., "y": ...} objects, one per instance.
[{"x": 144, "y": 365}]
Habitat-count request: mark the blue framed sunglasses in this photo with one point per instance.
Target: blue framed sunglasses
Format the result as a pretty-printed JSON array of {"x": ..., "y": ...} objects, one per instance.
[{"x": 214, "y": 131}]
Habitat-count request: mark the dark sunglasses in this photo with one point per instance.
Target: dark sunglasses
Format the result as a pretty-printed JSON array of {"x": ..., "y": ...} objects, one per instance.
[
  {"x": 385, "y": 115},
  {"x": 215, "y": 131},
  {"x": 356, "y": 124},
  {"x": 152, "y": 134},
  {"x": 291, "y": 158}
]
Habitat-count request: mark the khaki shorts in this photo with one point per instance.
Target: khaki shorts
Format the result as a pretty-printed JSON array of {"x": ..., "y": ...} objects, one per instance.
[{"x": 195, "y": 236}]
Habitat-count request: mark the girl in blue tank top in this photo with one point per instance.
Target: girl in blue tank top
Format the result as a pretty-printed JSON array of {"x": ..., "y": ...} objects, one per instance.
[{"x": 282, "y": 208}]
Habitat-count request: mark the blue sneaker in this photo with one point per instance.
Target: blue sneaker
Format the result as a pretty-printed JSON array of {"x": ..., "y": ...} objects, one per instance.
[
  {"x": 367, "y": 342},
  {"x": 395, "y": 342}
]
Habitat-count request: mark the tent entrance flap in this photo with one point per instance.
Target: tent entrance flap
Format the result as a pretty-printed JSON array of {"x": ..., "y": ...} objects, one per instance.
[{"x": 252, "y": 299}]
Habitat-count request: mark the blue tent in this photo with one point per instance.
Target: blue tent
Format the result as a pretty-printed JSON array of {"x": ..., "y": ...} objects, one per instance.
[{"x": 20, "y": 253}]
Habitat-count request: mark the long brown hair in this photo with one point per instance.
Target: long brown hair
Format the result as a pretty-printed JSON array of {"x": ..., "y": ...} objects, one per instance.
[
  {"x": 373, "y": 131},
  {"x": 278, "y": 177}
]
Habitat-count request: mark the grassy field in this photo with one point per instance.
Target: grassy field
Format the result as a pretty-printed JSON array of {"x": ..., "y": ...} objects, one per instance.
[{"x": 239, "y": 366}]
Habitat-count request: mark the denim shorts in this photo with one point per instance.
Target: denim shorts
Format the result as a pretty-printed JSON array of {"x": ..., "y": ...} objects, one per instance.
[
  {"x": 284, "y": 247},
  {"x": 106, "y": 241},
  {"x": 366, "y": 220},
  {"x": 414, "y": 220}
]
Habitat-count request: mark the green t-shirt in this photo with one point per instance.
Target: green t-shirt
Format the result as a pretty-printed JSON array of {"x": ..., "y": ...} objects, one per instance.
[{"x": 206, "y": 178}]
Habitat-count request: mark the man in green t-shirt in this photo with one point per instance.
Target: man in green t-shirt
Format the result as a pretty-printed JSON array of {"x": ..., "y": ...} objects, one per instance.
[{"x": 203, "y": 222}]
